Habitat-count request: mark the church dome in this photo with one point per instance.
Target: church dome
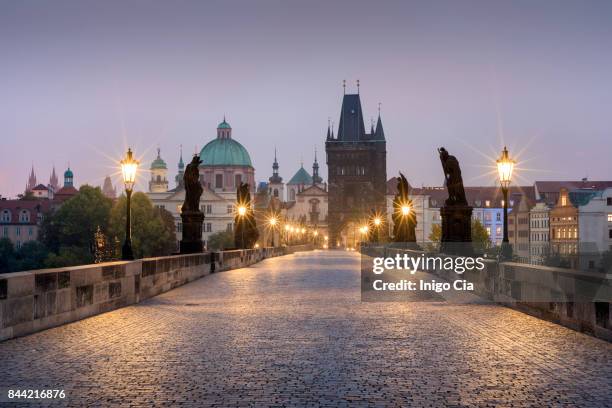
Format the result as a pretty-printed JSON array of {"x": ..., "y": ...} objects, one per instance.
[
  {"x": 224, "y": 152},
  {"x": 224, "y": 125},
  {"x": 158, "y": 163},
  {"x": 68, "y": 173}
]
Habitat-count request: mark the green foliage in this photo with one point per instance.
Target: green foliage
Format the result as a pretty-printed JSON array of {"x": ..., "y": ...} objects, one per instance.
[
  {"x": 220, "y": 240},
  {"x": 7, "y": 255},
  {"x": 436, "y": 233},
  {"x": 69, "y": 256},
  {"x": 75, "y": 222},
  {"x": 152, "y": 229},
  {"x": 31, "y": 255},
  {"x": 480, "y": 237}
]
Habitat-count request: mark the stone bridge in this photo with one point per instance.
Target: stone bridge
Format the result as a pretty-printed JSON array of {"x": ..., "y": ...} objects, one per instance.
[{"x": 292, "y": 331}]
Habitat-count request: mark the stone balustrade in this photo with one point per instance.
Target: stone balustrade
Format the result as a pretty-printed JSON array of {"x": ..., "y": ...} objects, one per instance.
[
  {"x": 36, "y": 300},
  {"x": 577, "y": 299}
]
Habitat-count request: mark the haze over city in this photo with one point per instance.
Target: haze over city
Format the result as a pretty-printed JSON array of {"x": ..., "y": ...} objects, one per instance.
[{"x": 80, "y": 82}]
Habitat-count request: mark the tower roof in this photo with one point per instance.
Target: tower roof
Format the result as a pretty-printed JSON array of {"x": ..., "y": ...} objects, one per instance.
[
  {"x": 351, "y": 125},
  {"x": 158, "y": 163},
  {"x": 224, "y": 152},
  {"x": 380, "y": 132},
  {"x": 301, "y": 177},
  {"x": 224, "y": 125},
  {"x": 68, "y": 173}
]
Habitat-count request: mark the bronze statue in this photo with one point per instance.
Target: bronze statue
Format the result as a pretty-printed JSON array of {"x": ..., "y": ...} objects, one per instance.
[
  {"x": 191, "y": 215},
  {"x": 193, "y": 187},
  {"x": 404, "y": 217},
  {"x": 453, "y": 179},
  {"x": 456, "y": 213},
  {"x": 245, "y": 231}
]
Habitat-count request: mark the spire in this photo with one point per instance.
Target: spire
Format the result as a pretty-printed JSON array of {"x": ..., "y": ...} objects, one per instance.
[
  {"x": 275, "y": 177},
  {"x": 53, "y": 180},
  {"x": 328, "y": 129},
  {"x": 31, "y": 180},
  {"x": 332, "y": 135},
  {"x": 372, "y": 126},
  {"x": 315, "y": 169},
  {"x": 351, "y": 126},
  {"x": 380, "y": 133},
  {"x": 181, "y": 164}
]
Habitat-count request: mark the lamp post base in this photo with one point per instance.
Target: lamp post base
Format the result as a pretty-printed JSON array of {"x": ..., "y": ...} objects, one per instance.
[
  {"x": 192, "y": 232},
  {"x": 126, "y": 251}
]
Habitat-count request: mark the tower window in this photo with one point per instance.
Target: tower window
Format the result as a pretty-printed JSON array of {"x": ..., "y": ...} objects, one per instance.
[{"x": 218, "y": 180}]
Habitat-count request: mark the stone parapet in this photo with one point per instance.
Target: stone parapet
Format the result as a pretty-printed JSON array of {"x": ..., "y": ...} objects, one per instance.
[{"x": 36, "y": 300}]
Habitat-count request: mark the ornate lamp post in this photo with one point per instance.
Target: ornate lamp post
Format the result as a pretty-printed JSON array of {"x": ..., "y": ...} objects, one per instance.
[
  {"x": 505, "y": 165},
  {"x": 242, "y": 211},
  {"x": 273, "y": 222},
  {"x": 128, "y": 170}
]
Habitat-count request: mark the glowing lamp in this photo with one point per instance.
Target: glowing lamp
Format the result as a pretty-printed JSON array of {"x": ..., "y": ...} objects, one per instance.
[
  {"x": 505, "y": 165},
  {"x": 128, "y": 170}
]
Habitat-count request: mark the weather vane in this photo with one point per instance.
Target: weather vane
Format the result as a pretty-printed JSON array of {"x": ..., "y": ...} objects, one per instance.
[
  {"x": 344, "y": 86},
  {"x": 358, "y": 86}
]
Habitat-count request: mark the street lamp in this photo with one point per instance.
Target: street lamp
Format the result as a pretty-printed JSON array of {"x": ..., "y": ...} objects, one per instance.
[
  {"x": 128, "y": 170},
  {"x": 505, "y": 165},
  {"x": 273, "y": 222}
]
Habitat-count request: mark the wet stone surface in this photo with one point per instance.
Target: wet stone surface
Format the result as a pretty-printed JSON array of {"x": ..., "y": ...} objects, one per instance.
[{"x": 292, "y": 331}]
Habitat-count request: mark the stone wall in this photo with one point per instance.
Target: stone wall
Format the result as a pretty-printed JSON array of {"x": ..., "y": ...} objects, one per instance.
[
  {"x": 36, "y": 300},
  {"x": 577, "y": 299}
]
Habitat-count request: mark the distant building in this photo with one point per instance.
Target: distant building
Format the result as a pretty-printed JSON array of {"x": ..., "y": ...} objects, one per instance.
[
  {"x": 68, "y": 190},
  {"x": 159, "y": 175},
  {"x": 518, "y": 227},
  {"x": 107, "y": 188},
  {"x": 357, "y": 172},
  {"x": 20, "y": 219},
  {"x": 539, "y": 224},
  {"x": 225, "y": 164},
  {"x": 42, "y": 191},
  {"x": 564, "y": 228}
]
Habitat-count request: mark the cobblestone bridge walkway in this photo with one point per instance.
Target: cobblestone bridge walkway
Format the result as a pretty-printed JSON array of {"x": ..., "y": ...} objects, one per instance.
[{"x": 292, "y": 331}]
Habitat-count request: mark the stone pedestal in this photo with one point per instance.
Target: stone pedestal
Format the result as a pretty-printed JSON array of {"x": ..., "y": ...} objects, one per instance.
[
  {"x": 192, "y": 232},
  {"x": 456, "y": 229}
]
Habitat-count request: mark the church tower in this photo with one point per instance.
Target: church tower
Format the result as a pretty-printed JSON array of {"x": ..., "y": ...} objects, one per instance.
[
  {"x": 181, "y": 171},
  {"x": 31, "y": 181},
  {"x": 68, "y": 178},
  {"x": 357, "y": 171},
  {"x": 159, "y": 171},
  {"x": 53, "y": 181},
  {"x": 276, "y": 187}
]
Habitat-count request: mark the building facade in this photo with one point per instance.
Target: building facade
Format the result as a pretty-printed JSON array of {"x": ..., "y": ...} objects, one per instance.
[
  {"x": 539, "y": 224},
  {"x": 357, "y": 172}
]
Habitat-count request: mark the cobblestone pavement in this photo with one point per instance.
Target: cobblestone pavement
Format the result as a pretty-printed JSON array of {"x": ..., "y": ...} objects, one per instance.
[{"x": 291, "y": 331}]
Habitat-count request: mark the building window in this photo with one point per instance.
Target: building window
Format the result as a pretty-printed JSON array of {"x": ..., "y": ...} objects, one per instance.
[
  {"x": 489, "y": 231},
  {"x": 208, "y": 227},
  {"x": 179, "y": 227},
  {"x": 18, "y": 244},
  {"x": 30, "y": 231},
  {"x": 276, "y": 192},
  {"x": 6, "y": 216},
  {"x": 292, "y": 195},
  {"x": 563, "y": 201},
  {"x": 207, "y": 208},
  {"x": 237, "y": 180},
  {"x": 498, "y": 216},
  {"x": 487, "y": 203},
  {"x": 24, "y": 216},
  {"x": 609, "y": 200},
  {"x": 498, "y": 231},
  {"x": 609, "y": 217},
  {"x": 230, "y": 227},
  {"x": 609, "y": 234},
  {"x": 218, "y": 180},
  {"x": 5, "y": 232},
  {"x": 230, "y": 209}
]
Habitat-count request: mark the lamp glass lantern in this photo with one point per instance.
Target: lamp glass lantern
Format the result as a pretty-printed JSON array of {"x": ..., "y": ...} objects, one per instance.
[
  {"x": 129, "y": 166},
  {"x": 505, "y": 166}
]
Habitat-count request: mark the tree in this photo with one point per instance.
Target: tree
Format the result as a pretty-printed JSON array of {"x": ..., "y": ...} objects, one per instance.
[
  {"x": 480, "y": 237},
  {"x": 220, "y": 240},
  {"x": 76, "y": 221},
  {"x": 7, "y": 255},
  {"x": 436, "y": 233},
  {"x": 152, "y": 232},
  {"x": 31, "y": 255}
]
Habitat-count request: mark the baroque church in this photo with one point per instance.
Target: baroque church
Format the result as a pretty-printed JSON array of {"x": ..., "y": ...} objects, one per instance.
[{"x": 225, "y": 164}]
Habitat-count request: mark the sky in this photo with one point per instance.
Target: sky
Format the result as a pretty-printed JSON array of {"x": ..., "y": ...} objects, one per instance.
[{"x": 82, "y": 80}]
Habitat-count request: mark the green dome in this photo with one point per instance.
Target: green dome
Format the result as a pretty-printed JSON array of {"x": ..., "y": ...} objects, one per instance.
[
  {"x": 68, "y": 173},
  {"x": 224, "y": 152},
  {"x": 158, "y": 163},
  {"x": 224, "y": 125}
]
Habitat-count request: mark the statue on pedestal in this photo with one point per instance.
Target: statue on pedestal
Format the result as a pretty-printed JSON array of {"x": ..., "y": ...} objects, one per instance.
[
  {"x": 404, "y": 217},
  {"x": 245, "y": 231},
  {"x": 191, "y": 215},
  {"x": 456, "y": 214}
]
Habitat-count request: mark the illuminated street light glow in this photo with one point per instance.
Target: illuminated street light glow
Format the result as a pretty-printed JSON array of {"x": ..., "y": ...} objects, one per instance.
[
  {"x": 273, "y": 221},
  {"x": 377, "y": 221},
  {"x": 405, "y": 210},
  {"x": 242, "y": 210},
  {"x": 129, "y": 166},
  {"x": 505, "y": 166}
]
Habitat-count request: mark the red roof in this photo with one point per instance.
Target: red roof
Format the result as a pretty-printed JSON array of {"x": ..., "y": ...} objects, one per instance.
[
  {"x": 65, "y": 193},
  {"x": 41, "y": 187},
  {"x": 34, "y": 206}
]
